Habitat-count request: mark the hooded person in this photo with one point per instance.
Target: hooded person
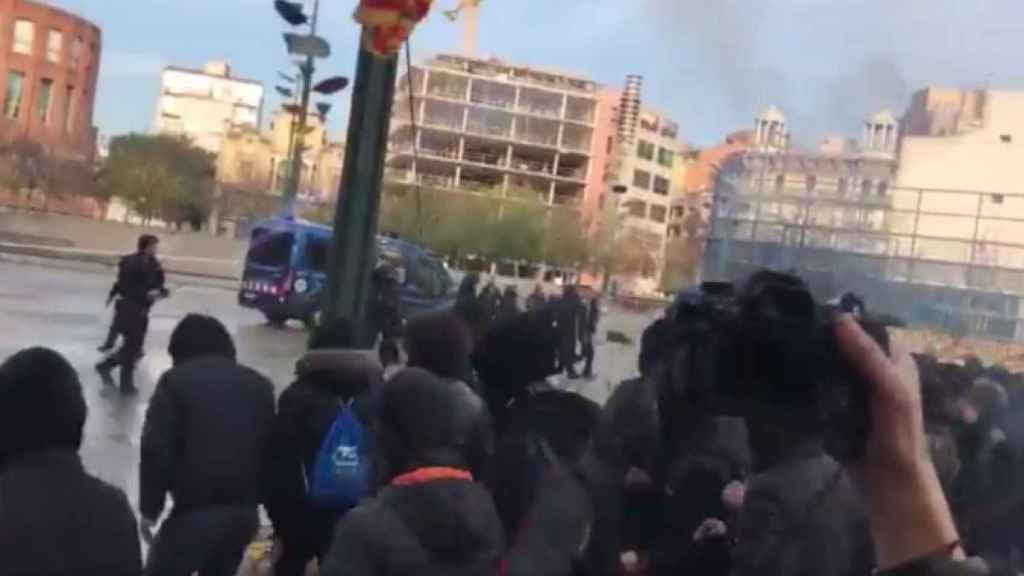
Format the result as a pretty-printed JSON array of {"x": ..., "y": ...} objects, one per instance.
[
  {"x": 431, "y": 516},
  {"x": 55, "y": 518},
  {"x": 466, "y": 303},
  {"x": 204, "y": 444},
  {"x": 307, "y": 410},
  {"x": 537, "y": 299},
  {"x": 509, "y": 304}
]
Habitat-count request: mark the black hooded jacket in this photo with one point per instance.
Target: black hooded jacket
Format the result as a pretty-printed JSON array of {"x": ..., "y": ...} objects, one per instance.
[
  {"x": 306, "y": 411},
  {"x": 439, "y": 528},
  {"x": 205, "y": 437},
  {"x": 57, "y": 520}
]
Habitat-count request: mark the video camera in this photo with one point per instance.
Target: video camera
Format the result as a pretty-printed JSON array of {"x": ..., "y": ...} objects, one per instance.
[{"x": 767, "y": 342}]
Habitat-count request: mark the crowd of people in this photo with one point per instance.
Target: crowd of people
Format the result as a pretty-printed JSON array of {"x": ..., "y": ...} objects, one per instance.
[
  {"x": 468, "y": 461},
  {"x": 578, "y": 317}
]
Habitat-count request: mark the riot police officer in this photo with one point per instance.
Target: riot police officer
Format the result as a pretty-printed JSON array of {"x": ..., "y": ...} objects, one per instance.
[{"x": 140, "y": 283}]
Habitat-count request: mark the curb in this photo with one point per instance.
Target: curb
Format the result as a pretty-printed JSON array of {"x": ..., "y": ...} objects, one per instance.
[{"x": 96, "y": 262}]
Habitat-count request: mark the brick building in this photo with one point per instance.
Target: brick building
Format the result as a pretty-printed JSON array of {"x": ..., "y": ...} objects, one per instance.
[{"x": 49, "y": 63}]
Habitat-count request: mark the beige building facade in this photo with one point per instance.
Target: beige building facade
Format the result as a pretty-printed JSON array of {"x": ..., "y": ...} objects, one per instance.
[
  {"x": 258, "y": 162},
  {"x": 961, "y": 165},
  {"x": 205, "y": 105}
]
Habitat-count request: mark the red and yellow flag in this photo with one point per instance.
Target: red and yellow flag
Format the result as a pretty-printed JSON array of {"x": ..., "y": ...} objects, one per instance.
[{"x": 388, "y": 23}]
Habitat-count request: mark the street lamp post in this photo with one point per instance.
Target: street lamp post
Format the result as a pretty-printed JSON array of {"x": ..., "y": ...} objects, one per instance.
[
  {"x": 311, "y": 47},
  {"x": 306, "y": 70}
]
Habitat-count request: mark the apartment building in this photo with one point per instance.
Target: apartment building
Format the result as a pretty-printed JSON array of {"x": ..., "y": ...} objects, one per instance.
[
  {"x": 648, "y": 179},
  {"x": 205, "y": 105},
  {"x": 490, "y": 127}
]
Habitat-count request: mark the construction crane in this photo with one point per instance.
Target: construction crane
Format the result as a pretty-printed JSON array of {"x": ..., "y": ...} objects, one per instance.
[{"x": 470, "y": 12}]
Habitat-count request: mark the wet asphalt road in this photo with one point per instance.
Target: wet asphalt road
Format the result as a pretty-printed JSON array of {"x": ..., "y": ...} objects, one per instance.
[{"x": 64, "y": 310}]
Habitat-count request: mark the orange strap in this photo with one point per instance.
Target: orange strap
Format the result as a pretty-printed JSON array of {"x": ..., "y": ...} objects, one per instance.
[{"x": 422, "y": 475}]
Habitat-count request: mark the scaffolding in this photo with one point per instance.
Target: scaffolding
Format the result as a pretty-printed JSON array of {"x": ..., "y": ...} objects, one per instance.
[{"x": 946, "y": 259}]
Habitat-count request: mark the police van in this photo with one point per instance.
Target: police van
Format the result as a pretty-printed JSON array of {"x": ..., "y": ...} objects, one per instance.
[{"x": 285, "y": 272}]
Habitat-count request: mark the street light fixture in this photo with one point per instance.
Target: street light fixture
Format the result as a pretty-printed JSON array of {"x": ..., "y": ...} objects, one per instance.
[
  {"x": 291, "y": 12},
  {"x": 286, "y": 77},
  {"x": 323, "y": 108},
  {"x": 284, "y": 92},
  {"x": 331, "y": 85},
  {"x": 307, "y": 45}
]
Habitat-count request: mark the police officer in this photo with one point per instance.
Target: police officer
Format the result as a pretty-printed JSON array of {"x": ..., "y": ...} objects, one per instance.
[
  {"x": 387, "y": 312},
  {"x": 140, "y": 283}
]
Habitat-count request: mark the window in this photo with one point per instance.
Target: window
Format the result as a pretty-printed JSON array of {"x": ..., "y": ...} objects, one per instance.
[
  {"x": 600, "y": 202},
  {"x": 997, "y": 198},
  {"x": 666, "y": 157},
  {"x": 44, "y": 99},
  {"x": 76, "y": 52},
  {"x": 317, "y": 253},
  {"x": 609, "y": 145},
  {"x": 426, "y": 278},
  {"x": 865, "y": 188},
  {"x": 24, "y": 36},
  {"x": 642, "y": 179},
  {"x": 658, "y": 213},
  {"x": 54, "y": 45},
  {"x": 12, "y": 100},
  {"x": 811, "y": 182},
  {"x": 638, "y": 209},
  {"x": 780, "y": 182},
  {"x": 270, "y": 248},
  {"x": 645, "y": 150},
  {"x": 69, "y": 109},
  {"x": 661, "y": 185},
  {"x": 1006, "y": 138},
  {"x": 843, "y": 186},
  {"x": 883, "y": 188}
]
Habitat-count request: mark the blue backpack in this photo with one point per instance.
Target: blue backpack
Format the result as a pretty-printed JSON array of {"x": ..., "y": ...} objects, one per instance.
[{"x": 341, "y": 472}]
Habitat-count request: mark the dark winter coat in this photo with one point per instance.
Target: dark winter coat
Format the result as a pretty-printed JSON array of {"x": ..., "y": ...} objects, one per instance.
[
  {"x": 57, "y": 520},
  {"x": 443, "y": 527},
  {"x": 803, "y": 516},
  {"x": 306, "y": 411},
  {"x": 206, "y": 436},
  {"x": 137, "y": 275}
]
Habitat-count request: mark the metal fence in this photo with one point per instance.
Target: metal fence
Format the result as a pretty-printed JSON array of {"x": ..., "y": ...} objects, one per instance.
[{"x": 951, "y": 260}]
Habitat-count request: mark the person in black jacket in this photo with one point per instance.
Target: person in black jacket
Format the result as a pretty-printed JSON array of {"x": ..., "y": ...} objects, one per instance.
[
  {"x": 55, "y": 518},
  {"x": 570, "y": 309},
  {"x": 387, "y": 312},
  {"x": 140, "y": 283},
  {"x": 432, "y": 517},
  {"x": 306, "y": 411},
  {"x": 204, "y": 443}
]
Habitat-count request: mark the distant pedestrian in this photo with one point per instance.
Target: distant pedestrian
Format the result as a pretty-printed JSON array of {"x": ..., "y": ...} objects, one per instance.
[
  {"x": 467, "y": 305},
  {"x": 387, "y": 312},
  {"x": 509, "y": 308},
  {"x": 307, "y": 411},
  {"x": 536, "y": 299},
  {"x": 588, "y": 331},
  {"x": 490, "y": 303},
  {"x": 204, "y": 443},
  {"x": 570, "y": 312},
  {"x": 55, "y": 518},
  {"x": 140, "y": 283}
]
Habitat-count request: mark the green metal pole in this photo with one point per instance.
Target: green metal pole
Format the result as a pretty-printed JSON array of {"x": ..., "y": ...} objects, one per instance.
[
  {"x": 353, "y": 254},
  {"x": 291, "y": 190}
]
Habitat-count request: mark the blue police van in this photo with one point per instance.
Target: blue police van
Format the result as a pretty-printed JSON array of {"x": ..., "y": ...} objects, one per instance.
[{"x": 286, "y": 271}]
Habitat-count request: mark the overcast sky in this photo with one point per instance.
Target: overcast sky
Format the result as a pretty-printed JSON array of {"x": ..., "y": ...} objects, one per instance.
[{"x": 710, "y": 64}]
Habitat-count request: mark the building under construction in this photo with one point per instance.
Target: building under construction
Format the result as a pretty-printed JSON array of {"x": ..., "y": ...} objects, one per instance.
[{"x": 484, "y": 125}]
